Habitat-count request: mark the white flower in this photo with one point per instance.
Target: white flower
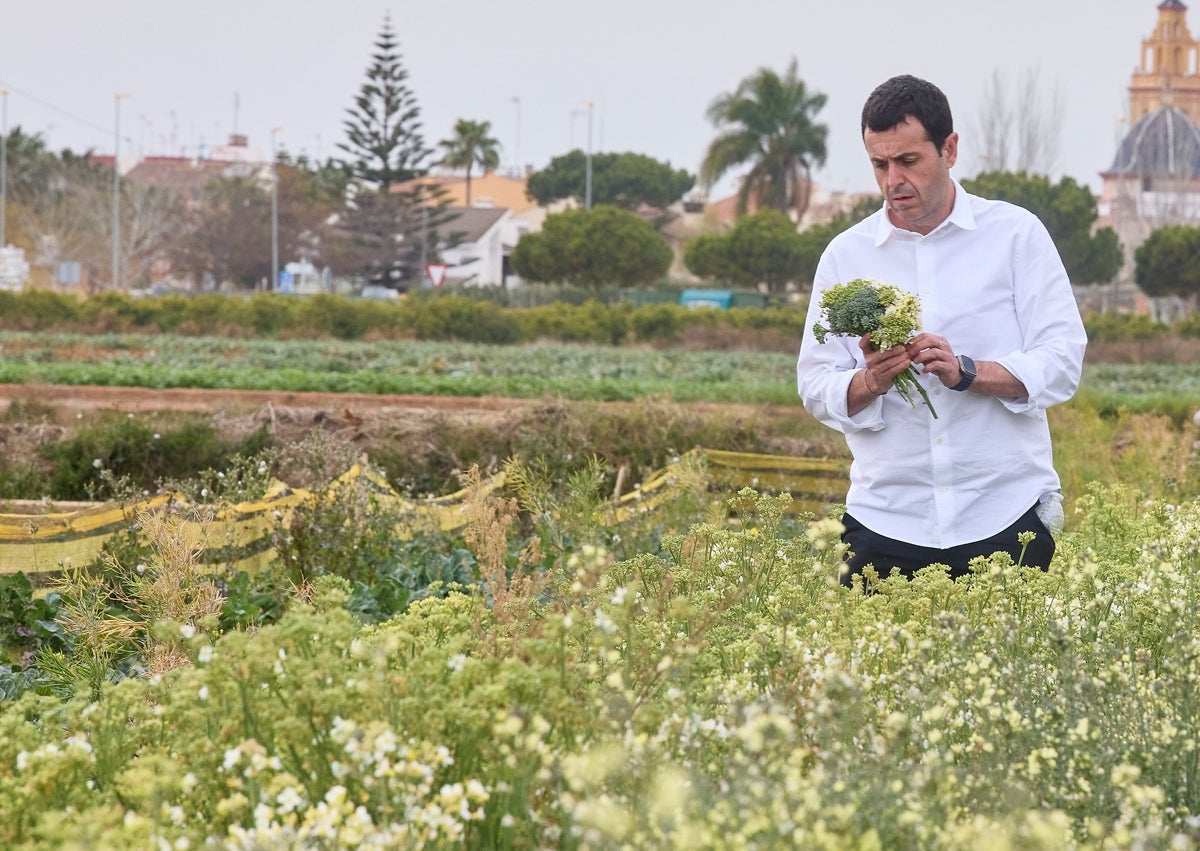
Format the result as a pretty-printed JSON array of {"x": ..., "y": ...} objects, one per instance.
[
  {"x": 187, "y": 631},
  {"x": 457, "y": 661},
  {"x": 97, "y": 463},
  {"x": 205, "y": 655},
  {"x": 289, "y": 800}
]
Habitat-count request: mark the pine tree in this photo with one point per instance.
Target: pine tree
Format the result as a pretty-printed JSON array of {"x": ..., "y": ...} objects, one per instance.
[{"x": 392, "y": 218}]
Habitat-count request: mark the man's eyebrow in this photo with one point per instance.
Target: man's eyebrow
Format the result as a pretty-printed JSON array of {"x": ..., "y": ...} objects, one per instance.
[{"x": 899, "y": 156}]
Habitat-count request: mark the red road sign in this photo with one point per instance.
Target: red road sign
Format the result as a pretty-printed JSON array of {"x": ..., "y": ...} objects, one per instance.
[{"x": 436, "y": 273}]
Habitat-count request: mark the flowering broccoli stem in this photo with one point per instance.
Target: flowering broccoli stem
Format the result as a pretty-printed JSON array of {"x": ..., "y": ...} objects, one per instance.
[{"x": 906, "y": 382}]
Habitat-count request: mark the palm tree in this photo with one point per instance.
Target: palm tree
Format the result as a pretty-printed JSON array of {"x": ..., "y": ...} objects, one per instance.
[
  {"x": 768, "y": 123},
  {"x": 471, "y": 145}
]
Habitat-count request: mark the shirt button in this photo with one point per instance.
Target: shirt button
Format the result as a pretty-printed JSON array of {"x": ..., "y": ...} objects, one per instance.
[{"x": 938, "y": 441}]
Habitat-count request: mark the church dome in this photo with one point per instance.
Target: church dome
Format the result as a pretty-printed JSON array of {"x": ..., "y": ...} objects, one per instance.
[{"x": 1164, "y": 143}]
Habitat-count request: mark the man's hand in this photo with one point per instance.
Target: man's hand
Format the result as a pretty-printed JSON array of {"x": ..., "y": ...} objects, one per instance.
[
  {"x": 936, "y": 357},
  {"x": 876, "y": 379}
]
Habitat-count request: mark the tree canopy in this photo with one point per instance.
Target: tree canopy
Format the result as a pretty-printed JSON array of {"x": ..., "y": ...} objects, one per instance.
[
  {"x": 390, "y": 226},
  {"x": 1168, "y": 262},
  {"x": 383, "y": 127},
  {"x": 766, "y": 248},
  {"x": 762, "y": 248},
  {"x": 1069, "y": 213},
  {"x": 470, "y": 146},
  {"x": 593, "y": 248},
  {"x": 767, "y": 123},
  {"x": 624, "y": 180},
  {"x": 226, "y": 235}
]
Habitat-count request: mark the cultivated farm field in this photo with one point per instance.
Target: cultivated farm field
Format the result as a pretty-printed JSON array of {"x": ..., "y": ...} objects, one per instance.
[{"x": 546, "y": 679}]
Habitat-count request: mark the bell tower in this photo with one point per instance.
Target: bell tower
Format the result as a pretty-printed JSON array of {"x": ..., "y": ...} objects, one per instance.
[{"x": 1169, "y": 73}]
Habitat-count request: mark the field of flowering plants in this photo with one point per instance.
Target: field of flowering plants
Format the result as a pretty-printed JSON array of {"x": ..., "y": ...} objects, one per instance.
[
  {"x": 695, "y": 678},
  {"x": 717, "y": 690}
]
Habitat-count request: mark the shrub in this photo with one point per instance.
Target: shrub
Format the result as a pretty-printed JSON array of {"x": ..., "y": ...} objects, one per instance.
[
  {"x": 591, "y": 322},
  {"x": 1189, "y": 327},
  {"x": 456, "y": 317},
  {"x": 129, "y": 449},
  {"x": 1112, "y": 327},
  {"x": 658, "y": 322}
]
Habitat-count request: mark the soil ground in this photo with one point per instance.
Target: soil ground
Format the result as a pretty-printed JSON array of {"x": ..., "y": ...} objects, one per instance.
[{"x": 414, "y": 426}]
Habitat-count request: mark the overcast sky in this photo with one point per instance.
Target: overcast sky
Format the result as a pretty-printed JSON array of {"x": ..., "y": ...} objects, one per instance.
[{"x": 196, "y": 72}]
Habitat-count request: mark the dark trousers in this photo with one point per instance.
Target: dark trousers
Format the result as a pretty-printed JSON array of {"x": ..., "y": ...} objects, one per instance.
[{"x": 886, "y": 554}]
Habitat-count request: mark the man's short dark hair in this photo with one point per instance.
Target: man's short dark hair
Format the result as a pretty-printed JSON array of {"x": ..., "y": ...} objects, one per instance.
[{"x": 900, "y": 97}]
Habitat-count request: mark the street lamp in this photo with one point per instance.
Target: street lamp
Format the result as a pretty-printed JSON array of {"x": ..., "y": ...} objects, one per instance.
[
  {"x": 274, "y": 214},
  {"x": 116, "y": 203},
  {"x": 587, "y": 190},
  {"x": 3, "y": 165},
  {"x": 517, "y": 150}
]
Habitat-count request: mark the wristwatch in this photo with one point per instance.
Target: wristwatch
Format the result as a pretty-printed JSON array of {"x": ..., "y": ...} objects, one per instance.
[{"x": 967, "y": 367}]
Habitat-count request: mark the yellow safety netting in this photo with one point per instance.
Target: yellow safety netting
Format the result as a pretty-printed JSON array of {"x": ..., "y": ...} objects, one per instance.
[{"x": 240, "y": 535}]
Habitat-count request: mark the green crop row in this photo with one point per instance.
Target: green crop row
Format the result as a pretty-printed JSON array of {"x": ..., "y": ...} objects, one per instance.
[
  {"x": 575, "y": 371},
  {"x": 455, "y": 316},
  {"x": 422, "y": 317}
]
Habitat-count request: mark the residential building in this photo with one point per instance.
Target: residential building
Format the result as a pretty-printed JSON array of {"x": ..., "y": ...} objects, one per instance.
[{"x": 484, "y": 233}]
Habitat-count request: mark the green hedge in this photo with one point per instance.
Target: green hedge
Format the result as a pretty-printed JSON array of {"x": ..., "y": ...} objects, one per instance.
[
  {"x": 475, "y": 318},
  {"x": 478, "y": 317}
]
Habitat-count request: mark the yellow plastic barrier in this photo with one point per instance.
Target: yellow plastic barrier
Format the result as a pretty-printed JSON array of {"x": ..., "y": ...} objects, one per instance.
[{"x": 240, "y": 535}]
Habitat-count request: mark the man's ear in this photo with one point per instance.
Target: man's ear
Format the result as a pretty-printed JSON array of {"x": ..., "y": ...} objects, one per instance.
[{"x": 950, "y": 149}]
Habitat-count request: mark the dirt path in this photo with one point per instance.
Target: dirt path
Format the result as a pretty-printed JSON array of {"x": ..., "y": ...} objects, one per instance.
[{"x": 73, "y": 399}]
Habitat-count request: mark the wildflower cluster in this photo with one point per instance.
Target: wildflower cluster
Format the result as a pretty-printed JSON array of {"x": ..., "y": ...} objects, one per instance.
[{"x": 887, "y": 313}]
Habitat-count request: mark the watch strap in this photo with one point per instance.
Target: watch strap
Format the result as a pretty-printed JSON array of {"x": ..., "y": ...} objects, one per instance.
[{"x": 967, "y": 367}]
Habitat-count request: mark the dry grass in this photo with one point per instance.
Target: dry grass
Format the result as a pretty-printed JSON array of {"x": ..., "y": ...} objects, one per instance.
[
  {"x": 514, "y": 596},
  {"x": 1170, "y": 350}
]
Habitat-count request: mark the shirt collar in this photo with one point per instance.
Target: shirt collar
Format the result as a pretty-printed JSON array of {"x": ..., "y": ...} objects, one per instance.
[{"x": 960, "y": 216}]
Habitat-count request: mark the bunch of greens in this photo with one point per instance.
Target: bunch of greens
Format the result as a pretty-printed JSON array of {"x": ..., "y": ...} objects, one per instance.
[{"x": 887, "y": 313}]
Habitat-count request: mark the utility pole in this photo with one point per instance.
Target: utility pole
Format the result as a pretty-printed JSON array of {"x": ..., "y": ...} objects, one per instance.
[
  {"x": 274, "y": 214},
  {"x": 116, "y": 211},
  {"x": 518, "y": 170},
  {"x": 3, "y": 166},
  {"x": 587, "y": 191}
]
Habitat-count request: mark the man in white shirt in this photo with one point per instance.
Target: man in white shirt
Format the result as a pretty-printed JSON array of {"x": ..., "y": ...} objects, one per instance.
[{"x": 1003, "y": 341}]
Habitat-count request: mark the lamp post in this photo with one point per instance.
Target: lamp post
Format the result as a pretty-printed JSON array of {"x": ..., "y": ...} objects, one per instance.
[
  {"x": 116, "y": 203},
  {"x": 517, "y": 150},
  {"x": 274, "y": 214},
  {"x": 3, "y": 166},
  {"x": 587, "y": 189}
]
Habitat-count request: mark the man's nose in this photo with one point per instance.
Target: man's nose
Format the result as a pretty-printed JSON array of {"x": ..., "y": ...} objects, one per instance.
[{"x": 895, "y": 174}]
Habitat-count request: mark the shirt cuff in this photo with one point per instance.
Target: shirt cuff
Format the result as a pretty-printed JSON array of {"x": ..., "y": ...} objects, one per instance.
[
  {"x": 869, "y": 418},
  {"x": 1029, "y": 372}
]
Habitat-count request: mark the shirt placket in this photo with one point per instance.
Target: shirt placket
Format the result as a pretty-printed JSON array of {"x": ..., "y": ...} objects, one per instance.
[{"x": 941, "y": 465}]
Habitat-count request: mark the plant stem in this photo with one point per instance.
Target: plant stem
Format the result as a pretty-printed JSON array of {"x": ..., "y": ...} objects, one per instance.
[{"x": 905, "y": 382}]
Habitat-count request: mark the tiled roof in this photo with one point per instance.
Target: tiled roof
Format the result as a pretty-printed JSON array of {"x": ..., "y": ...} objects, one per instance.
[
  {"x": 1164, "y": 143},
  {"x": 471, "y": 223},
  {"x": 185, "y": 176}
]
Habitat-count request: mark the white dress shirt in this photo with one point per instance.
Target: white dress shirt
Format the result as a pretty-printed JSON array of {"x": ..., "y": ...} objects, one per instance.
[{"x": 990, "y": 281}]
